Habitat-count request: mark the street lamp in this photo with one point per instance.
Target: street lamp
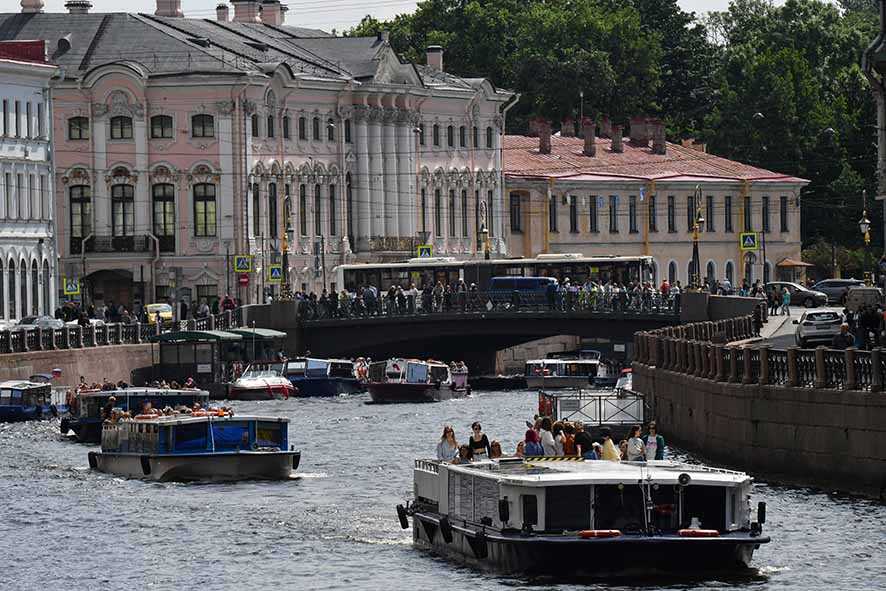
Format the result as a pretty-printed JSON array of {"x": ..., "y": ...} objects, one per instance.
[
  {"x": 484, "y": 234},
  {"x": 864, "y": 224},
  {"x": 695, "y": 280}
]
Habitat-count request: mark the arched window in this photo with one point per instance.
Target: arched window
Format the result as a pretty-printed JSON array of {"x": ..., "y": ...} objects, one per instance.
[
  {"x": 450, "y": 136},
  {"x": 256, "y": 210},
  {"x": 464, "y": 213},
  {"x": 164, "y": 215},
  {"x": 750, "y": 259},
  {"x": 272, "y": 210},
  {"x": 254, "y": 120},
  {"x": 122, "y": 210},
  {"x": 653, "y": 270},
  {"x": 287, "y": 208},
  {"x": 438, "y": 213},
  {"x": 489, "y": 138},
  {"x": 318, "y": 218},
  {"x": 316, "y": 128},
  {"x": 302, "y": 128},
  {"x": 711, "y": 272},
  {"x": 462, "y": 137},
  {"x": 121, "y": 128},
  {"x": 303, "y": 210},
  {"x": 286, "y": 127},
  {"x": 35, "y": 289},
  {"x": 23, "y": 287},
  {"x": 202, "y": 126},
  {"x": 204, "y": 210},
  {"x": 424, "y": 209},
  {"x": 47, "y": 291},
  {"x": 81, "y": 214},
  {"x": 330, "y": 131},
  {"x": 349, "y": 196},
  {"x": 161, "y": 127},
  {"x": 672, "y": 272},
  {"x": 452, "y": 212},
  {"x": 767, "y": 272},
  {"x": 11, "y": 290},
  {"x": 78, "y": 128},
  {"x": 730, "y": 273},
  {"x": 436, "y": 135},
  {"x": 691, "y": 272},
  {"x": 333, "y": 230},
  {"x": 270, "y": 126}
]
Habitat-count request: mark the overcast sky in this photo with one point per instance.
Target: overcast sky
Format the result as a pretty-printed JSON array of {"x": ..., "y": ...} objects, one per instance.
[{"x": 322, "y": 14}]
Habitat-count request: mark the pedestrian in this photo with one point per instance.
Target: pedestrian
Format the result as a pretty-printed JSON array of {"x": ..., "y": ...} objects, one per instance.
[
  {"x": 842, "y": 340},
  {"x": 773, "y": 303},
  {"x": 654, "y": 443},
  {"x": 786, "y": 301}
]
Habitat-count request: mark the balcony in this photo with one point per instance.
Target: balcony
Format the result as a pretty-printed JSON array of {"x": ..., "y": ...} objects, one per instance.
[{"x": 111, "y": 244}]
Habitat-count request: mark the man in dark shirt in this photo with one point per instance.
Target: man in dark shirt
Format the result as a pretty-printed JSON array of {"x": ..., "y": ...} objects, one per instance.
[
  {"x": 108, "y": 408},
  {"x": 583, "y": 439},
  {"x": 843, "y": 340}
]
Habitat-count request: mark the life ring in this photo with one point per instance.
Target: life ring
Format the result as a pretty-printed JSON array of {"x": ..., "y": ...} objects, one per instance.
[
  {"x": 143, "y": 417},
  {"x": 698, "y": 533},
  {"x": 196, "y": 413},
  {"x": 599, "y": 533}
]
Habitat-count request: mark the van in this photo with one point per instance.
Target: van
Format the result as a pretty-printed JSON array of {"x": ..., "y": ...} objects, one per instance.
[
  {"x": 856, "y": 297},
  {"x": 531, "y": 290}
]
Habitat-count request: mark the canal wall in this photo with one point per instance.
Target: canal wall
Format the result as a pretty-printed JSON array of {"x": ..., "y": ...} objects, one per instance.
[
  {"x": 811, "y": 417},
  {"x": 94, "y": 363}
]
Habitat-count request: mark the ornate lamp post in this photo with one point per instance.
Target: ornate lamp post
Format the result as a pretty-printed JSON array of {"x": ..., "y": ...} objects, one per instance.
[
  {"x": 864, "y": 224},
  {"x": 484, "y": 235},
  {"x": 695, "y": 280}
]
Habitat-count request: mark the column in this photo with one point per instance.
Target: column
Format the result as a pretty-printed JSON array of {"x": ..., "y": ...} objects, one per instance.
[
  {"x": 142, "y": 202},
  {"x": 376, "y": 188},
  {"x": 360, "y": 181},
  {"x": 406, "y": 181},
  {"x": 389, "y": 161}
]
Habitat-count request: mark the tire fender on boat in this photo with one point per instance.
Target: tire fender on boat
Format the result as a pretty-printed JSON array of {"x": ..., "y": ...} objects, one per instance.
[
  {"x": 93, "y": 462},
  {"x": 146, "y": 465},
  {"x": 446, "y": 529},
  {"x": 401, "y": 515}
]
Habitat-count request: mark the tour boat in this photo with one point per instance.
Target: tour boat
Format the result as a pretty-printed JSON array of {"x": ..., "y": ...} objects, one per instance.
[
  {"x": 201, "y": 447},
  {"x": 85, "y": 419},
  {"x": 412, "y": 380},
  {"x": 550, "y": 517},
  {"x": 618, "y": 410},
  {"x": 262, "y": 381},
  {"x": 563, "y": 372},
  {"x": 323, "y": 377},
  {"x": 23, "y": 400}
]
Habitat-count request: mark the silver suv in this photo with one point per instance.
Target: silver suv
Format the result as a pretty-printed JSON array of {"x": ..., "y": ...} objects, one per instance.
[{"x": 836, "y": 289}]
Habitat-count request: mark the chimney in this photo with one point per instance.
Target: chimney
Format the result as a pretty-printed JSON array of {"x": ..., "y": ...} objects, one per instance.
[
  {"x": 169, "y": 8},
  {"x": 567, "y": 128},
  {"x": 639, "y": 131},
  {"x": 246, "y": 11},
  {"x": 659, "y": 143},
  {"x": 32, "y": 6},
  {"x": 78, "y": 6},
  {"x": 435, "y": 57},
  {"x": 617, "y": 139},
  {"x": 544, "y": 136},
  {"x": 605, "y": 127},
  {"x": 271, "y": 13},
  {"x": 589, "y": 131},
  {"x": 222, "y": 14}
]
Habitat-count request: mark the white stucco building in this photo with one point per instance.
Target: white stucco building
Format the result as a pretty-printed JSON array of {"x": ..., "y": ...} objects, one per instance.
[{"x": 27, "y": 244}]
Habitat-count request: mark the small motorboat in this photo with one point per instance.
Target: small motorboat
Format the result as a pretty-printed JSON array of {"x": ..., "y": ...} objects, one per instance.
[
  {"x": 323, "y": 377},
  {"x": 24, "y": 400},
  {"x": 203, "y": 446},
  {"x": 262, "y": 381},
  {"x": 412, "y": 380}
]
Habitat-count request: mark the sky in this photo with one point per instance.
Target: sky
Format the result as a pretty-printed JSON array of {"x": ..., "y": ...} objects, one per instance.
[{"x": 318, "y": 14}]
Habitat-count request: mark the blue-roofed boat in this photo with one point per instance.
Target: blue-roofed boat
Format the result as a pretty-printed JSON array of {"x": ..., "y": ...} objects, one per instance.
[
  {"x": 85, "y": 419},
  {"x": 323, "y": 377},
  {"x": 200, "y": 447},
  {"x": 23, "y": 400}
]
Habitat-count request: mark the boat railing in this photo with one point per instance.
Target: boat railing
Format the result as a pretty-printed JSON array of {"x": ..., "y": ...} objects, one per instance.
[
  {"x": 685, "y": 466},
  {"x": 622, "y": 408},
  {"x": 432, "y": 466}
]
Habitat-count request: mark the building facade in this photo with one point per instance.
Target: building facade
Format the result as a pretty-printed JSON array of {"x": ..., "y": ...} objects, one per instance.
[
  {"x": 27, "y": 243},
  {"x": 210, "y": 140},
  {"x": 642, "y": 195}
]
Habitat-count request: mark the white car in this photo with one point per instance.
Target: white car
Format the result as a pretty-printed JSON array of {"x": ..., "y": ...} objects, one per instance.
[
  {"x": 817, "y": 326},
  {"x": 29, "y": 322}
]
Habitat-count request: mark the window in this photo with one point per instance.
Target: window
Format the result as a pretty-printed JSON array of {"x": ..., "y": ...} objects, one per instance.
[
  {"x": 204, "y": 125},
  {"x": 318, "y": 225},
  {"x": 464, "y": 213},
  {"x": 41, "y": 132},
  {"x": 164, "y": 215},
  {"x": 690, "y": 212},
  {"x": 730, "y": 273},
  {"x": 287, "y": 208},
  {"x": 302, "y": 128},
  {"x": 20, "y": 195},
  {"x": 709, "y": 215},
  {"x": 286, "y": 127},
  {"x": 727, "y": 213},
  {"x": 269, "y": 129},
  {"x": 7, "y": 190},
  {"x": 256, "y": 210},
  {"x": 450, "y": 136},
  {"x": 254, "y": 120},
  {"x": 161, "y": 127},
  {"x": 594, "y": 217},
  {"x": 122, "y": 210},
  {"x": 632, "y": 214},
  {"x": 316, "y": 128},
  {"x": 748, "y": 214},
  {"x": 44, "y": 199},
  {"x": 424, "y": 210},
  {"x": 18, "y": 119},
  {"x": 303, "y": 209},
  {"x": 488, "y": 138},
  {"x": 272, "y": 210},
  {"x": 33, "y": 206},
  {"x": 672, "y": 272},
  {"x": 347, "y": 131},
  {"x": 477, "y": 223},
  {"x": 11, "y": 290},
  {"x": 333, "y": 230},
  {"x": 462, "y": 137},
  {"x": 204, "y": 209},
  {"x": 436, "y": 135},
  {"x": 552, "y": 214},
  {"x": 516, "y": 214},
  {"x": 81, "y": 214},
  {"x": 613, "y": 214},
  {"x": 23, "y": 286},
  {"x": 207, "y": 293},
  {"x": 421, "y": 134},
  {"x": 783, "y": 212},
  {"x": 5, "y": 124},
  {"x": 490, "y": 209},
  {"x": 438, "y": 213},
  {"x": 121, "y": 128},
  {"x": 652, "y": 213},
  {"x": 711, "y": 272},
  {"x": 46, "y": 289},
  {"x": 476, "y": 137},
  {"x": 78, "y": 128},
  {"x": 28, "y": 125},
  {"x": 350, "y": 213},
  {"x": 573, "y": 214},
  {"x": 452, "y": 212},
  {"x": 672, "y": 214},
  {"x": 330, "y": 131},
  {"x": 764, "y": 212}
]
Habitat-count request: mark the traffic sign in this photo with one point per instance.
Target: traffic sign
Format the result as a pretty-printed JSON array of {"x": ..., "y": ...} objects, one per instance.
[
  {"x": 425, "y": 251},
  {"x": 243, "y": 279},
  {"x": 748, "y": 241},
  {"x": 242, "y": 263},
  {"x": 72, "y": 286},
  {"x": 275, "y": 273}
]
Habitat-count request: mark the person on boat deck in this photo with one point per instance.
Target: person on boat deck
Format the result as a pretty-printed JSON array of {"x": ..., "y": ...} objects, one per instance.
[
  {"x": 547, "y": 438},
  {"x": 584, "y": 442},
  {"x": 655, "y": 444},
  {"x": 478, "y": 441},
  {"x": 610, "y": 452},
  {"x": 189, "y": 383},
  {"x": 447, "y": 448},
  {"x": 108, "y": 409},
  {"x": 636, "y": 451},
  {"x": 532, "y": 444},
  {"x": 521, "y": 449},
  {"x": 557, "y": 432},
  {"x": 495, "y": 450},
  {"x": 465, "y": 455}
]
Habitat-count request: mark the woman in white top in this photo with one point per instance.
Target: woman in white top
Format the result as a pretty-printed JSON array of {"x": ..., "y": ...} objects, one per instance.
[
  {"x": 547, "y": 438},
  {"x": 447, "y": 449},
  {"x": 636, "y": 451}
]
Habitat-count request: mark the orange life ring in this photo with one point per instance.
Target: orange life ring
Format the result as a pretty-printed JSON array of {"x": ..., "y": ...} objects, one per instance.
[
  {"x": 599, "y": 533},
  {"x": 144, "y": 417},
  {"x": 198, "y": 413}
]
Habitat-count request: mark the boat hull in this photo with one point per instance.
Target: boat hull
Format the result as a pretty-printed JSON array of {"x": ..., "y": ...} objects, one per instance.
[
  {"x": 85, "y": 430},
  {"x": 260, "y": 393},
  {"x": 568, "y": 556},
  {"x": 316, "y": 387},
  {"x": 387, "y": 393},
  {"x": 553, "y": 382},
  {"x": 215, "y": 467}
]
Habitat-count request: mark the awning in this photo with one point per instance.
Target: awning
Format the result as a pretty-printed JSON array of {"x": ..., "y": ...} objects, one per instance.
[
  {"x": 792, "y": 263},
  {"x": 258, "y": 333},
  {"x": 194, "y": 336}
]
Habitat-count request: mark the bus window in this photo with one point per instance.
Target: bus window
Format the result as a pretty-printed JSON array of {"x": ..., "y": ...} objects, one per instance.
[{"x": 501, "y": 283}]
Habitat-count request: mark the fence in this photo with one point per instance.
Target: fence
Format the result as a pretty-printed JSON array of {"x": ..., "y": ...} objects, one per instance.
[{"x": 100, "y": 335}]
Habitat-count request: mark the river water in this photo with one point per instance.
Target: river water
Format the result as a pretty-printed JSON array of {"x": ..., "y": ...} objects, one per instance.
[{"x": 65, "y": 527}]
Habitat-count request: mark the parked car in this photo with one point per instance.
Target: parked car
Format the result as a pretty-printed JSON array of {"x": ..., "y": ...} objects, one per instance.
[
  {"x": 165, "y": 311},
  {"x": 817, "y": 326},
  {"x": 95, "y": 322},
  {"x": 836, "y": 289},
  {"x": 800, "y": 296},
  {"x": 38, "y": 322}
]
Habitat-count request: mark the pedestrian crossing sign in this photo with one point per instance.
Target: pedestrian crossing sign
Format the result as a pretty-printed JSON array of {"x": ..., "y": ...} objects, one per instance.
[
  {"x": 72, "y": 286},
  {"x": 275, "y": 273},
  {"x": 748, "y": 241},
  {"x": 242, "y": 263},
  {"x": 425, "y": 251}
]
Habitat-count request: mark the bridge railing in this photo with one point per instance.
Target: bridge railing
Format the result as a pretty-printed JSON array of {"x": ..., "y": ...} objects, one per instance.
[
  {"x": 477, "y": 302},
  {"x": 22, "y": 340},
  {"x": 691, "y": 350}
]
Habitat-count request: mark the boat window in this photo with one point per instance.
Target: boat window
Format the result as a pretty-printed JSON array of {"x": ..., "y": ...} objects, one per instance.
[
  {"x": 616, "y": 508},
  {"x": 230, "y": 435},
  {"x": 707, "y": 503},
  {"x": 316, "y": 368},
  {"x": 270, "y": 434},
  {"x": 341, "y": 370},
  {"x": 416, "y": 373},
  {"x": 567, "y": 508},
  {"x": 534, "y": 369},
  {"x": 530, "y": 509},
  {"x": 203, "y": 353},
  {"x": 169, "y": 354},
  {"x": 186, "y": 354},
  {"x": 439, "y": 374},
  {"x": 5, "y": 396},
  {"x": 16, "y": 396},
  {"x": 190, "y": 437}
]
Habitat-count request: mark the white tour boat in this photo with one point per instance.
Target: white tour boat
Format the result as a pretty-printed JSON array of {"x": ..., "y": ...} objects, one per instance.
[
  {"x": 413, "y": 380},
  {"x": 563, "y": 372}
]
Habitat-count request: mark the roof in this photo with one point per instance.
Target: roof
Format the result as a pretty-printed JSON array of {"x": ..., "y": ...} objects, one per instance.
[
  {"x": 184, "y": 419},
  {"x": 787, "y": 262},
  {"x": 259, "y": 333},
  {"x": 136, "y": 391},
  {"x": 22, "y": 384},
  {"x": 566, "y": 161},
  {"x": 195, "y": 336}
]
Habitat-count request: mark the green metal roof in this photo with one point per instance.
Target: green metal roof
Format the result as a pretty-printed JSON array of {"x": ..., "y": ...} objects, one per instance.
[
  {"x": 195, "y": 336},
  {"x": 259, "y": 333}
]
